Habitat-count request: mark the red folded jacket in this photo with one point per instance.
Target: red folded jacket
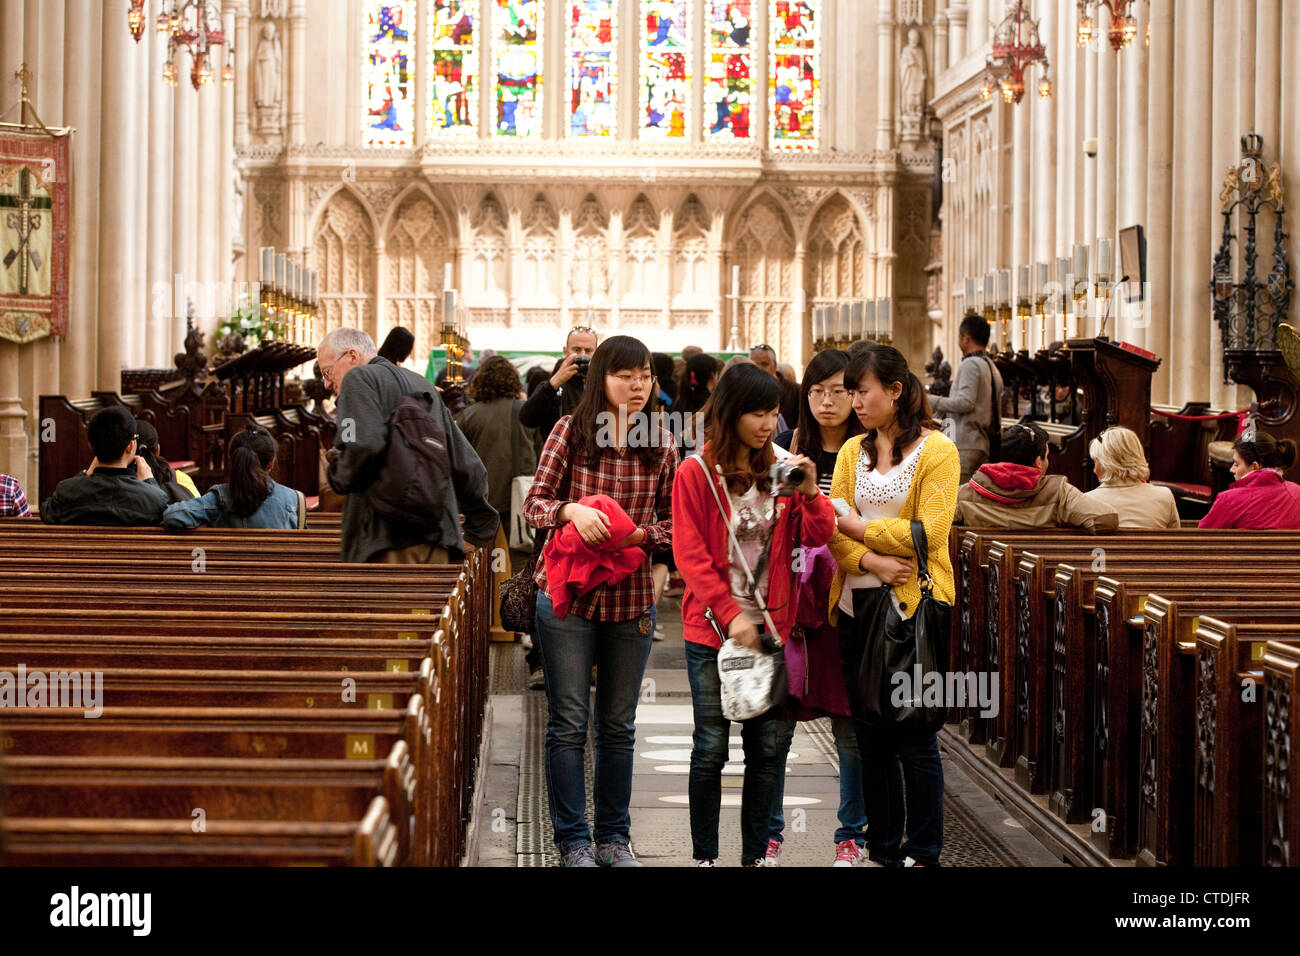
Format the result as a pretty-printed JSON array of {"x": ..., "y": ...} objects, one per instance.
[{"x": 574, "y": 567}]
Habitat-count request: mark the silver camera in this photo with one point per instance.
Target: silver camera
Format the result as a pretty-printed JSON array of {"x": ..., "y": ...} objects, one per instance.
[{"x": 785, "y": 478}]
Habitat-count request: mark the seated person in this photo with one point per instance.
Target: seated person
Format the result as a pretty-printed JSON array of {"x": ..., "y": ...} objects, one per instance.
[
  {"x": 1016, "y": 493},
  {"x": 118, "y": 488},
  {"x": 1121, "y": 466},
  {"x": 13, "y": 503},
  {"x": 1260, "y": 497},
  {"x": 178, "y": 485},
  {"x": 251, "y": 499}
]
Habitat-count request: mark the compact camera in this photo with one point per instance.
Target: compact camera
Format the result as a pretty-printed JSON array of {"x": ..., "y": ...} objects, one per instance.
[
  {"x": 581, "y": 363},
  {"x": 786, "y": 478}
]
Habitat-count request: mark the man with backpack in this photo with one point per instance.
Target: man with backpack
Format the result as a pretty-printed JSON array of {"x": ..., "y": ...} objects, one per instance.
[
  {"x": 405, "y": 467},
  {"x": 973, "y": 402}
]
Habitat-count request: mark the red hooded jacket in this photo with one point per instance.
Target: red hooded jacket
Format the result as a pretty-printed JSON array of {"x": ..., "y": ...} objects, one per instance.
[
  {"x": 701, "y": 546},
  {"x": 1260, "y": 499}
]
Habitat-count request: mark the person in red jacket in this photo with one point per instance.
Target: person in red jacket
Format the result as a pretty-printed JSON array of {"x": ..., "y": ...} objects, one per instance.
[
  {"x": 1260, "y": 497},
  {"x": 739, "y": 423}
]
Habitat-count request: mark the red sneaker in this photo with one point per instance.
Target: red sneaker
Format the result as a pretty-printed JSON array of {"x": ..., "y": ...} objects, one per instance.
[
  {"x": 773, "y": 855},
  {"x": 847, "y": 853}
]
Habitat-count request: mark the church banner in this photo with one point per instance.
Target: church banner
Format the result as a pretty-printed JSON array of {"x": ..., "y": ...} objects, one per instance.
[{"x": 34, "y": 233}]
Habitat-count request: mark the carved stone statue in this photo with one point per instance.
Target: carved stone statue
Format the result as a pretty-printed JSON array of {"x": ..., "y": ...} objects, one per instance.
[
  {"x": 267, "y": 80},
  {"x": 912, "y": 77}
]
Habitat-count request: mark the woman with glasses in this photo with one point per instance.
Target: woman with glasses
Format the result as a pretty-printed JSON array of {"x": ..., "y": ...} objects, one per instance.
[
  {"x": 826, "y": 421},
  {"x": 608, "y": 446},
  {"x": 902, "y": 469},
  {"x": 758, "y": 531}
]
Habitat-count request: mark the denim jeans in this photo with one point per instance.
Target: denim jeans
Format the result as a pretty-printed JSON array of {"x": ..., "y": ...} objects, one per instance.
[
  {"x": 570, "y": 646},
  {"x": 761, "y": 737},
  {"x": 853, "y": 812},
  {"x": 890, "y": 756}
]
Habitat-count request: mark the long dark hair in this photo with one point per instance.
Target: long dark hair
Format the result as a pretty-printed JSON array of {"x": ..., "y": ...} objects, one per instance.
[
  {"x": 742, "y": 389},
  {"x": 663, "y": 369},
  {"x": 1266, "y": 450},
  {"x": 252, "y": 456},
  {"x": 618, "y": 353},
  {"x": 888, "y": 366},
  {"x": 146, "y": 447},
  {"x": 695, "y": 383},
  {"x": 823, "y": 366}
]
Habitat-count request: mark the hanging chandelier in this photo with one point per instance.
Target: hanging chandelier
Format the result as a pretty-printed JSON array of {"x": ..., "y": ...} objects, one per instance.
[
  {"x": 1015, "y": 47},
  {"x": 194, "y": 25},
  {"x": 1123, "y": 25}
]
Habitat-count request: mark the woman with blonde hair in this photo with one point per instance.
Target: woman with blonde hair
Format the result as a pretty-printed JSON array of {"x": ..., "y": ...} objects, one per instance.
[{"x": 1121, "y": 466}]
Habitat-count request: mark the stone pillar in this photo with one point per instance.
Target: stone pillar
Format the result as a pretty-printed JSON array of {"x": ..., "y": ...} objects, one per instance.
[
  {"x": 956, "y": 31},
  {"x": 226, "y": 170},
  {"x": 1222, "y": 149},
  {"x": 1106, "y": 163},
  {"x": 13, "y": 417},
  {"x": 1067, "y": 142},
  {"x": 119, "y": 153},
  {"x": 80, "y": 108},
  {"x": 1193, "y": 185},
  {"x": 759, "y": 67},
  {"x": 1288, "y": 145},
  {"x": 1159, "y": 195},
  {"x": 940, "y": 41},
  {"x": 1020, "y": 199},
  {"x": 160, "y": 208},
  {"x": 298, "y": 77},
  {"x": 138, "y": 318},
  {"x": 210, "y": 176},
  {"x": 977, "y": 24},
  {"x": 241, "y": 70},
  {"x": 1088, "y": 130},
  {"x": 184, "y": 224},
  {"x": 798, "y": 309},
  {"x": 1134, "y": 325},
  {"x": 885, "y": 60}
]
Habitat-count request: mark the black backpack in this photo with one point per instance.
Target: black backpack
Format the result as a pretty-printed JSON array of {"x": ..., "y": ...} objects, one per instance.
[{"x": 414, "y": 480}]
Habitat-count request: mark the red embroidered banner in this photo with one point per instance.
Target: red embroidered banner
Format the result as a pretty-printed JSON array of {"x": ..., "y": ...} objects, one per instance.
[{"x": 35, "y": 178}]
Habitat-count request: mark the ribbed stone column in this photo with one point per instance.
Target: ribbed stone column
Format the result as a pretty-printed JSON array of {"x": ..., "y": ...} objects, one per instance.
[
  {"x": 13, "y": 439},
  {"x": 160, "y": 207},
  {"x": 885, "y": 75},
  {"x": 1159, "y": 196}
]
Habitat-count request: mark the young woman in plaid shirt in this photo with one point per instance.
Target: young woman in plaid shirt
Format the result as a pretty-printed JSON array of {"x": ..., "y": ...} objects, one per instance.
[{"x": 608, "y": 446}]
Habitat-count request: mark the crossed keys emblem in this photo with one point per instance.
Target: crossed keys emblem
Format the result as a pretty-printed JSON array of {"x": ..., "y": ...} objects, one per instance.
[{"x": 24, "y": 223}]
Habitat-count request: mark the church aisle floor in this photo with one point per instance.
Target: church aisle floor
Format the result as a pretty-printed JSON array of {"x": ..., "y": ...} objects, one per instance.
[{"x": 514, "y": 824}]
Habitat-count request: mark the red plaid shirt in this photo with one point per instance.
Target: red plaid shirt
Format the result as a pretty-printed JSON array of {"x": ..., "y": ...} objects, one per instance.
[
  {"x": 13, "y": 503},
  {"x": 645, "y": 494}
]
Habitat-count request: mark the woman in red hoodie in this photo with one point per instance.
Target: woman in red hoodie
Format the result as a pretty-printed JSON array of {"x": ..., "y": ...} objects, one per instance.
[
  {"x": 1260, "y": 497},
  {"x": 739, "y": 423}
]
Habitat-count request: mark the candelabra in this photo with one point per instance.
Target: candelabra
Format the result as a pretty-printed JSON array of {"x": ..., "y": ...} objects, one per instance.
[
  {"x": 1123, "y": 25},
  {"x": 194, "y": 25},
  {"x": 288, "y": 296},
  {"x": 1016, "y": 46}
]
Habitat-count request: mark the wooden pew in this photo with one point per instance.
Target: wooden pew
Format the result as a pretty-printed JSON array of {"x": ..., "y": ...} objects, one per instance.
[
  {"x": 370, "y": 841},
  {"x": 1281, "y": 783},
  {"x": 1228, "y": 762}
]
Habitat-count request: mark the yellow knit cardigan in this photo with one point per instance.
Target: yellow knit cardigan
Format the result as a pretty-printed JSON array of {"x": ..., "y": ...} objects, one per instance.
[{"x": 931, "y": 499}]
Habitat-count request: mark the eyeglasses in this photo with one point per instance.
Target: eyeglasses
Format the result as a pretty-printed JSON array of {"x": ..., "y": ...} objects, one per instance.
[
  {"x": 326, "y": 372},
  {"x": 628, "y": 379},
  {"x": 838, "y": 393}
]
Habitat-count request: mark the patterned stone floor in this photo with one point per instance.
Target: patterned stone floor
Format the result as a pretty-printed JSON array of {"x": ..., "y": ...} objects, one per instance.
[{"x": 977, "y": 831}]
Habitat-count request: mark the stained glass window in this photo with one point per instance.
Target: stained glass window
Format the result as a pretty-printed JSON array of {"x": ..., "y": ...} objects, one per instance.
[
  {"x": 728, "y": 82},
  {"x": 517, "y": 66},
  {"x": 452, "y": 67},
  {"x": 387, "y": 74},
  {"x": 665, "y": 68},
  {"x": 794, "y": 84},
  {"x": 589, "y": 54}
]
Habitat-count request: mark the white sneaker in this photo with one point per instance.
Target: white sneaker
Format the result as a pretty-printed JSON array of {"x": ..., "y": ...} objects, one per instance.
[
  {"x": 706, "y": 863},
  {"x": 658, "y": 633}
]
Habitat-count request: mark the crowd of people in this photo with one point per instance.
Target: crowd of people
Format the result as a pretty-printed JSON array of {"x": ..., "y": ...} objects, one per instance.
[{"x": 792, "y": 513}]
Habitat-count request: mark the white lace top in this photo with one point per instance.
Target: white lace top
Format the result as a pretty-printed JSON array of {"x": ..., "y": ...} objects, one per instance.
[{"x": 879, "y": 496}]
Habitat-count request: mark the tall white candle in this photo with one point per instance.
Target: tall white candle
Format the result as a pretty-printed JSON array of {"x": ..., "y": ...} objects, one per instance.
[
  {"x": 446, "y": 275},
  {"x": 735, "y": 280},
  {"x": 1080, "y": 262},
  {"x": 1004, "y": 287},
  {"x": 884, "y": 317},
  {"x": 1022, "y": 282},
  {"x": 970, "y": 293},
  {"x": 1040, "y": 290},
  {"x": 845, "y": 320},
  {"x": 1105, "y": 259},
  {"x": 871, "y": 328}
]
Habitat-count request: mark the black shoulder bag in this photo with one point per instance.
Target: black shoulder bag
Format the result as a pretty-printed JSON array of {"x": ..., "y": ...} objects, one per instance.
[
  {"x": 519, "y": 593},
  {"x": 899, "y": 650}
]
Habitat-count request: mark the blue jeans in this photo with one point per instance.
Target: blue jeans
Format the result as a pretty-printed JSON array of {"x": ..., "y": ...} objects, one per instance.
[
  {"x": 570, "y": 646},
  {"x": 853, "y": 811},
  {"x": 762, "y": 740},
  {"x": 891, "y": 755}
]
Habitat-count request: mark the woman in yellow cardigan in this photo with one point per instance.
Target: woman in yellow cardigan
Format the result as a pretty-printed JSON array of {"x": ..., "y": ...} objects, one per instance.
[{"x": 902, "y": 469}]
